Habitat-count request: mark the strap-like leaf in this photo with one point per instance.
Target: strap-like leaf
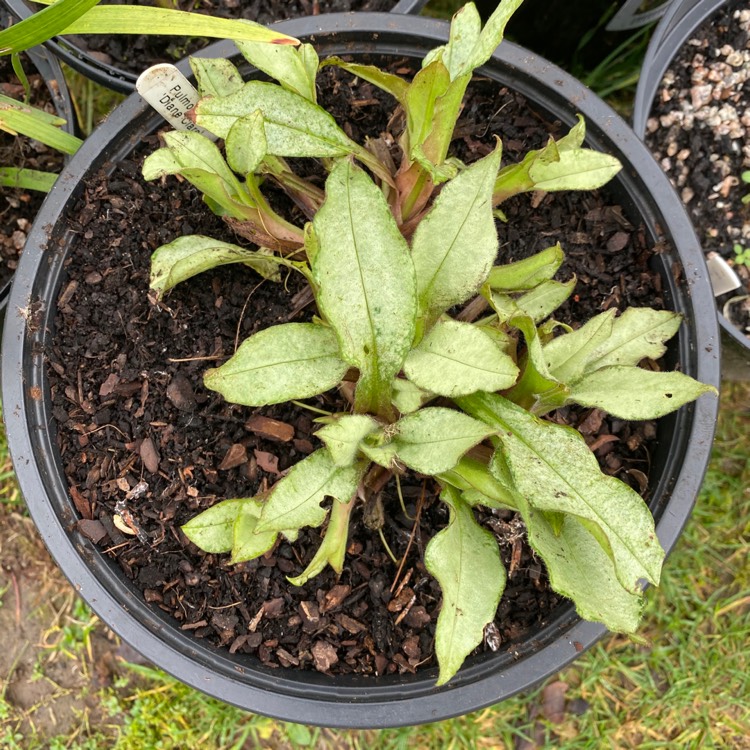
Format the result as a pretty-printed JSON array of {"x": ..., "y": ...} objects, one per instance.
[
  {"x": 295, "y": 500},
  {"x": 43, "y": 25},
  {"x": 365, "y": 280},
  {"x": 139, "y": 19},
  {"x": 281, "y": 363},
  {"x": 388, "y": 82},
  {"x": 554, "y": 470},
  {"x": 192, "y": 254},
  {"x": 295, "y": 68},
  {"x": 633, "y": 393},
  {"x": 27, "y": 179},
  {"x": 294, "y": 126},
  {"x": 465, "y": 560},
  {"x": 456, "y": 359},
  {"x": 34, "y": 123},
  {"x": 455, "y": 245},
  {"x": 343, "y": 436}
]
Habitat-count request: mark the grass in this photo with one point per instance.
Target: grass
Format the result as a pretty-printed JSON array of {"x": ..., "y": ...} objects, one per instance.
[{"x": 689, "y": 687}]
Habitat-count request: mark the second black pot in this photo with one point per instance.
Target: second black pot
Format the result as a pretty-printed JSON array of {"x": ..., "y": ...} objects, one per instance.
[
  {"x": 670, "y": 36},
  {"x": 678, "y": 464}
]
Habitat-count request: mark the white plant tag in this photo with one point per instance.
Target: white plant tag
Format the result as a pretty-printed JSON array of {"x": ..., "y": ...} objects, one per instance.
[
  {"x": 171, "y": 95},
  {"x": 723, "y": 277}
]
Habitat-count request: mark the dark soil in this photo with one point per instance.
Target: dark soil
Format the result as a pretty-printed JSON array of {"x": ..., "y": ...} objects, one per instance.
[
  {"x": 136, "y": 53},
  {"x": 139, "y": 435},
  {"x": 19, "y": 207},
  {"x": 699, "y": 130}
]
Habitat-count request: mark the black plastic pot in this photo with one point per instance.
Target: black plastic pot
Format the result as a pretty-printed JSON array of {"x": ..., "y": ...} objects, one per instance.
[
  {"x": 49, "y": 68},
  {"x": 311, "y": 698},
  {"x": 672, "y": 33},
  {"x": 117, "y": 79}
]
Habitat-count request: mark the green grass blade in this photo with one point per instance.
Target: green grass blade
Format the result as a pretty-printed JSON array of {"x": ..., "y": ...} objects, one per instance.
[
  {"x": 131, "y": 19},
  {"x": 27, "y": 179},
  {"x": 27, "y": 122},
  {"x": 43, "y": 25}
]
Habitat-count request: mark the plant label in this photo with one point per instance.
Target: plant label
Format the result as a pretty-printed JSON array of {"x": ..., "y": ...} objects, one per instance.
[
  {"x": 723, "y": 277},
  {"x": 171, "y": 95}
]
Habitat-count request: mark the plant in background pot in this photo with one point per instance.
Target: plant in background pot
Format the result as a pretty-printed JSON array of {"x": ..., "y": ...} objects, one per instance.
[
  {"x": 33, "y": 144},
  {"x": 383, "y": 333},
  {"x": 398, "y": 406},
  {"x": 692, "y": 108},
  {"x": 116, "y": 61}
]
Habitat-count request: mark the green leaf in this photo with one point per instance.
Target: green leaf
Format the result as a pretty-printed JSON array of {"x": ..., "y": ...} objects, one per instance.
[
  {"x": 216, "y": 76},
  {"x": 541, "y": 301},
  {"x": 294, "y": 68},
  {"x": 295, "y": 500},
  {"x": 581, "y": 570},
  {"x": 493, "y": 32},
  {"x": 16, "y": 118},
  {"x": 365, "y": 280},
  {"x": 42, "y": 25},
  {"x": 190, "y": 255},
  {"x": 553, "y": 468},
  {"x": 527, "y": 273},
  {"x": 636, "y": 334},
  {"x": 419, "y": 101},
  {"x": 456, "y": 243},
  {"x": 212, "y": 530},
  {"x": 333, "y": 549},
  {"x": 388, "y": 82},
  {"x": 582, "y": 169},
  {"x": 281, "y": 363},
  {"x": 633, "y": 393},
  {"x": 190, "y": 150},
  {"x": 433, "y": 439},
  {"x": 465, "y": 560},
  {"x": 343, "y": 436},
  {"x": 475, "y": 480},
  {"x": 466, "y": 26},
  {"x": 567, "y": 355},
  {"x": 27, "y": 179},
  {"x": 294, "y": 126},
  {"x": 408, "y": 397},
  {"x": 246, "y": 143},
  {"x": 136, "y": 20},
  {"x": 456, "y": 359},
  {"x": 246, "y": 544}
]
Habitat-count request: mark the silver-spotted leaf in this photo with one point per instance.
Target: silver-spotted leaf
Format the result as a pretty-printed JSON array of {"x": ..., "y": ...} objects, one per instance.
[{"x": 344, "y": 435}]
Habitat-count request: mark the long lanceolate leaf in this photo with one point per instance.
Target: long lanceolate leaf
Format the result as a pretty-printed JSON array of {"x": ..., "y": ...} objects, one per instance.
[
  {"x": 365, "y": 278},
  {"x": 135, "y": 19},
  {"x": 456, "y": 243},
  {"x": 27, "y": 179},
  {"x": 34, "y": 123},
  {"x": 465, "y": 560},
  {"x": 566, "y": 479},
  {"x": 43, "y": 25}
]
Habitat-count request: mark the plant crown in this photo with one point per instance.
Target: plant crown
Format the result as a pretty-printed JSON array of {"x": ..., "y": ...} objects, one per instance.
[{"x": 388, "y": 252}]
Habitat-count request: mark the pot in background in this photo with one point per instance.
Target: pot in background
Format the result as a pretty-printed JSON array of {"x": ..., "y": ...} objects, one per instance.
[
  {"x": 678, "y": 25},
  {"x": 311, "y": 698},
  {"x": 110, "y": 75}
]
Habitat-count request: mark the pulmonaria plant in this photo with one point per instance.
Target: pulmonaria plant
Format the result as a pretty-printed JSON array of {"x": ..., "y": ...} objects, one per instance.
[{"x": 389, "y": 250}]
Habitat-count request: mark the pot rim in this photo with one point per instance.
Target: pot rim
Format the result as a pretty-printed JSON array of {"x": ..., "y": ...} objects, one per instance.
[
  {"x": 312, "y": 698},
  {"x": 123, "y": 81}
]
